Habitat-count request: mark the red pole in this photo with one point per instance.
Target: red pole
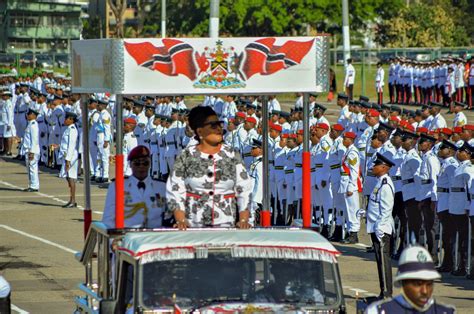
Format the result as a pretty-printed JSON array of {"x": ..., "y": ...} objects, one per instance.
[
  {"x": 265, "y": 218},
  {"x": 119, "y": 192},
  {"x": 306, "y": 210}
]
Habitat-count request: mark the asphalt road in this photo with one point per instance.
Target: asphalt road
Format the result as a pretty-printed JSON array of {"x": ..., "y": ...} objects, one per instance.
[{"x": 38, "y": 239}]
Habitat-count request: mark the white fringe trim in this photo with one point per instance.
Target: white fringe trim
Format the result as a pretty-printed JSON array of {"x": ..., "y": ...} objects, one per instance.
[
  {"x": 240, "y": 252},
  {"x": 283, "y": 253}
]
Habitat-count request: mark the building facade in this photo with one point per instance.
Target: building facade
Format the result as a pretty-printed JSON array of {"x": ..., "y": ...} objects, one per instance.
[{"x": 42, "y": 26}]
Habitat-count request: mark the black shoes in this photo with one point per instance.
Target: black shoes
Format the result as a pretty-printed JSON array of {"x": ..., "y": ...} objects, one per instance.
[
  {"x": 30, "y": 190},
  {"x": 351, "y": 239},
  {"x": 70, "y": 205},
  {"x": 444, "y": 269},
  {"x": 461, "y": 271},
  {"x": 337, "y": 235},
  {"x": 325, "y": 231}
]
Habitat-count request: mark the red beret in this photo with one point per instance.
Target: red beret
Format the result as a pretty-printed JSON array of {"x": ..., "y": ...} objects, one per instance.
[
  {"x": 422, "y": 130},
  {"x": 394, "y": 118},
  {"x": 433, "y": 132},
  {"x": 292, "y": 135},
  {"x": 231, "y": 120},
  {"x": 276, "y": 127},
  {"x": 139, "y": 152},
  {"x": 338, "y": 127},
  {"x": 300, "y": 132},
  {"x": 130, "y": 120},
  {"x": 446, "y": 131},
  {"x": 251, "y": 120},
  {"x": 241, "y": 114},
  {"x": 373, "y": 113},
  {"x": 457, "y": 129},
  {"x": 323, "y": 126},
  {"x": 410, "y": 127},
  {"x": 285, "y": 135},
  {"x": 469, "y": 127},
  {"x": 351, "y": 135}
]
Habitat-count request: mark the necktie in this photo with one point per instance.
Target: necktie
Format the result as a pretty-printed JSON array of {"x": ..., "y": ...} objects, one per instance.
[{"x": 141, "y": 185}]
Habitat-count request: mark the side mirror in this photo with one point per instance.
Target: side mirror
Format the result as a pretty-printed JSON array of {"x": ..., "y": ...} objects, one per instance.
[{"x": 107, "y": 307}]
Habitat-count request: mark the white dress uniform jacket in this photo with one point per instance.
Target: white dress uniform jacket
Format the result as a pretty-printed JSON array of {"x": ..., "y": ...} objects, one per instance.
[
  {"x": 408, "y": 170},
  {"x": 445, "y": 179},
  {"x": 459, "y": 202},
  {"x": 379, "y": 210},
  {"x": 426, "y": 179},
  {"x": 144, "y": 207},
  {"x": 68, "y": 152}
]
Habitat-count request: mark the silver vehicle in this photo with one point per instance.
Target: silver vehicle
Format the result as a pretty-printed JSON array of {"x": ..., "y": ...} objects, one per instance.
[{"x": 209, "y": 271}]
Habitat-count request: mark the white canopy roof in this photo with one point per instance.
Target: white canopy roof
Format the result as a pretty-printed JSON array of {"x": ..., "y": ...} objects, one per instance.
[{"x": 256, "y": 243}]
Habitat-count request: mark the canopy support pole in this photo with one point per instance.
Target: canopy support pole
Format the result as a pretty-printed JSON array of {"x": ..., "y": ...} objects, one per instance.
[
  {"x": 265, "y": 214},
  {"x": 119, "y": 179},
  {"x": 86, "y": 164},
  {"x": 306, "y": 208}
]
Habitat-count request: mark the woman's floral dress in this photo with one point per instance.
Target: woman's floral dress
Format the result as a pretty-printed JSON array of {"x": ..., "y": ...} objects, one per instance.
[{"x": 211, "y": 189}]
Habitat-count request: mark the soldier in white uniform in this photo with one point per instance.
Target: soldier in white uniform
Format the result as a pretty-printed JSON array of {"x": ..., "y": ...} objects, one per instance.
[
  {"x": 448, "y": 167},
  {"x": 379, "y": 83},
  {"x": 425, "y": 184},
  {"x": 459, "y": 118},
  {"x": 31, "y": 149},
  {"x": 380, "y": 223},
  {"x": 349, "y": 79},
  {"x": 332, "y": 178},
  {"x": 129, "y": 143},
  {"x": 256, "y": 173},
  {"x": 104, "y": 137},
  {"x": 281, "y": 150},
  {"x": 144, "y": 197},
  {"x": 345, "y": 115},
  {"x": 93, "y": 118},
  {"x": 68, "y": 152},
  {"x": 438, "y": 120},
  {"x": 350, "y": 186},
  {"x": 460, "y": 201},
  {"x": 9, "y": 130},
  {"x": 320, "y": 160}
]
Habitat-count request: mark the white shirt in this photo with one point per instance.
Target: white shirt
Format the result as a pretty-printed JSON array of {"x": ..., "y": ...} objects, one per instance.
[
  {"x": 350, "y": 75},
  {"x": 379, "y": 210}
]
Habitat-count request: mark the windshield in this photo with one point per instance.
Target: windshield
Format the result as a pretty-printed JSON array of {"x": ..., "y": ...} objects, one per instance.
[{"x": 221, "y": 278}]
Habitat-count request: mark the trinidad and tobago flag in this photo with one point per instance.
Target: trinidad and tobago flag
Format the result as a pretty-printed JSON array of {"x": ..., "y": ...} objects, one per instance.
[
  {"x": 177, "y": 57},
  {"x": 263, "y": 57},
  {"x": 173, "y": 58}
]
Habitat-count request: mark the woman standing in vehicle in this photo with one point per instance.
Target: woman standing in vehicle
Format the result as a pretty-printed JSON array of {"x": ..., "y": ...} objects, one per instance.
[{"x": 209, "y": 184}]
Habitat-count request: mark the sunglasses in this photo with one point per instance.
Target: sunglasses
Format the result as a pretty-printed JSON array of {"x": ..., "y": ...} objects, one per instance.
[
  {"x": 138, "y": 163},
  {"x": 214, "y": 124}
]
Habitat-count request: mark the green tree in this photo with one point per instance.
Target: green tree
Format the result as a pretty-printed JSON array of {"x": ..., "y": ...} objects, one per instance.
[{"x": 419, "y": 25}]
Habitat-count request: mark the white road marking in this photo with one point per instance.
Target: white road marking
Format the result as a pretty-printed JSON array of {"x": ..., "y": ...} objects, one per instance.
[
  {"x": 59, "y": 246},
  {"x": 36, "y": 196},
  {"x": 54, "y": 198},
  {"x": 18, "y": 310},
  {"x": 363, "y": 245}
]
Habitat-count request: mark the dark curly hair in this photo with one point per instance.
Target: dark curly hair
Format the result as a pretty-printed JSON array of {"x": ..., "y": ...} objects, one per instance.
[{"x": 198, "y": 116}]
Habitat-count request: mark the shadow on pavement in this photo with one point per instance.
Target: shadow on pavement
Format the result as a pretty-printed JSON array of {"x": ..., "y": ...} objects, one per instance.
[
  {"x": 42, "y": 204},
  {"x": 10, "y": 189}
]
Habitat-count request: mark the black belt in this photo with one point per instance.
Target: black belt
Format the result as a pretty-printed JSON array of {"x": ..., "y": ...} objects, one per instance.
[
  {"x": 361, "y": 149},
  {"x": 298, "y": 165},
  {"x": 40, "y": 122},
  {"x": 271, "y": 162},
  {"x": 162, "y": 145},
  {"x": 153, "y": 143},
  {"x": 442, "y": 190},
  {"x": 426, "y": 181},
  {"x": 408, "y": 181},
  {"x": 396, "y": 178},
  {"x": 279, "y": 167},
  {"x": 247, "y": 155},
  {"x": 335, "y": 166},
  {"x": 289, "y": 171},
  {"x": 344, "y": 174},
  {"x": 21, "y": 111},
  {"x": 169, "y": 143},
  {"x": 318, "y": 165},
  {"x": 313, "y": 169},
  {"x": 458, "y": 190}
]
